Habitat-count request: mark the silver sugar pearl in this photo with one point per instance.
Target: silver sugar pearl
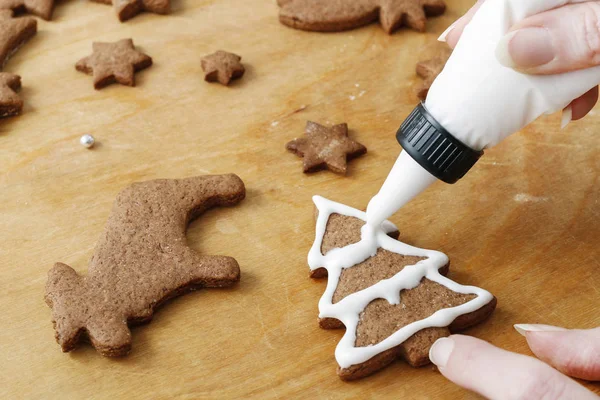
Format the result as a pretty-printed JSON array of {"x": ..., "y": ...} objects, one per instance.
[{"x": 87, "y": 141}]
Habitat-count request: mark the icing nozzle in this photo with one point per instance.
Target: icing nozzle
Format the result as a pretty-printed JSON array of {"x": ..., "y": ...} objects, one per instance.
[{"x": 434, "y": 148}]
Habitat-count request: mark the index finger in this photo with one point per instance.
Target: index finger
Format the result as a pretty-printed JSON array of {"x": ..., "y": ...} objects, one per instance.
[{"x": 498, "y": 374}]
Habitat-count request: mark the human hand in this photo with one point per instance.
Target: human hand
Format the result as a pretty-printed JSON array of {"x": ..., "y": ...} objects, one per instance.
[
  {"x": 564, "y": 39},
  {"x": 498, "y": 374}
]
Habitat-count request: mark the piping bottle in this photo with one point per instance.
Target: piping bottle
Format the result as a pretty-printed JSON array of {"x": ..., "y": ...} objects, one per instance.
[{"x": 474, "y": 103}]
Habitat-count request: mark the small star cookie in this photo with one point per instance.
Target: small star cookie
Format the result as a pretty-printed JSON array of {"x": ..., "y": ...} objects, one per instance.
[
  {"x": 14, "y": 32},
  {"x": 127, "y": 9},
  {"x": 340, "y": 15},
  {"x": 222, "y": 67},
  {"x": 430, "y": 69},
  {"x": 114, "y": 62},
  {"x": 41, "y": 8},
  {"x": 10, "y": 102},
  {"x": 326, "y": 148}
]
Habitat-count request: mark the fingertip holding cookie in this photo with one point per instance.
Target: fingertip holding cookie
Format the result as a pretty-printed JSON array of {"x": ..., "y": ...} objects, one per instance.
[{"x": 440, "y": 351}]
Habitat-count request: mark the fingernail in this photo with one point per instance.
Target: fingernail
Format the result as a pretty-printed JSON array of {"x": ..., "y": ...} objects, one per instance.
[
  {"x": 444, "y": 35},
  {"x": 524, "y": 328},
  {"x": 440, "y": 352},
  {"x": 525, "y": 48},
  {"x": 567, "y": 117}
]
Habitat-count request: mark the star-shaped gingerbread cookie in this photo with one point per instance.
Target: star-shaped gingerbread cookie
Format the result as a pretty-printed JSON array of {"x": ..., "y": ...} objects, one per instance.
[
  {"x": 430, "y": 69},
  {"x": 340, "y": 15},
  {"x": 14, "y": 32},
  {"x": 127, "y": 9},
  {"x": 326, "y": 148},
  {"x": 10, "y": 102},
  {"x": 222, "y": 67},
  {"x": 41, "y": 8},
  {"x": 114, "y": 62},
  {"x": 141, "y": 260}
]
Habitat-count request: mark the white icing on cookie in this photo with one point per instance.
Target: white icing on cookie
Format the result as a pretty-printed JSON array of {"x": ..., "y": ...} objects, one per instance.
[{"x": 348, "y": 309}]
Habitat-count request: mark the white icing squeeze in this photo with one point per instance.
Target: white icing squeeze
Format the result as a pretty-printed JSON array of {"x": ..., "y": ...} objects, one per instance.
[{"x": 348, "y": 310}]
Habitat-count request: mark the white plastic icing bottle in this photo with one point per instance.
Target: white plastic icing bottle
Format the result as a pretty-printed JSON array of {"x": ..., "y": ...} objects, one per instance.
[{"x": 474, "y": 104}]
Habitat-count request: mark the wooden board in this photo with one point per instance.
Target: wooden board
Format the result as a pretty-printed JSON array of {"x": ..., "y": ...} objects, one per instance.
[{"x": 523, "y": 224}]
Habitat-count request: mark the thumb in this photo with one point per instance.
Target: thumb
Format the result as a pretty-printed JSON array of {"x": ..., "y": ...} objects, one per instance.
[
  {"x": 575, "y": 352},
  {"x": 556, "y": 41},
  {"x": 498, "y": 374}
]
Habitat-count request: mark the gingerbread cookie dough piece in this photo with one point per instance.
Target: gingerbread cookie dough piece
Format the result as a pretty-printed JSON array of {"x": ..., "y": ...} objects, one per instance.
[
  {"x": 114, "y": 62},
  {"x": 14, "y": 32},
  {"x": 393, "y": 299},
  {"x": 10, "y": 102},
  {"x": 41, "y": 8},
  {"x": 127, "y": 9},
  {"x": 140, "y": 261},
  {"x": 222, "y": 67},
  {"x": 430, "y": 69},
  {"x": 340, "y": 15},
  {"x": 326, "y": 148}
]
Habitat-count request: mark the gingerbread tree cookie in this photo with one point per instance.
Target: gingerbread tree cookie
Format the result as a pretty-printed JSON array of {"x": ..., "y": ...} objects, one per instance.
[
  {"x": 14, "y": 33},
  {"x": 114, "y": 62},
  {"x": 392, "y": 298},
  {"x": 340, "y": 15},
  {"x": 41, "y": 8},
  {"x": 141, "y": 260},
  {"x": 430, "y": 69},
  {"x": 10, "y": 102},
  {"x": 326, "y": 148},
  {"x": 127, "y": 9}
]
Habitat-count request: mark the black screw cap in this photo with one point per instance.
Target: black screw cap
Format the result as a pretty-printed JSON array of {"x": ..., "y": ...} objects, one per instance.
[{"x": 434, "y": 148}]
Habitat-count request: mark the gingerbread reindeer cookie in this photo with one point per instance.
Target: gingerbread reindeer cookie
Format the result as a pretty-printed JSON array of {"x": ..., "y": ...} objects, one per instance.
[
  {"x": 392, "y": 298},
  {"x": 141, "y": 260}
]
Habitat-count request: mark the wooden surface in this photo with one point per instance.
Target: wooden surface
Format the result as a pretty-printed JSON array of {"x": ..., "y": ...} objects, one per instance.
[{"x": 524, "y": 224}]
